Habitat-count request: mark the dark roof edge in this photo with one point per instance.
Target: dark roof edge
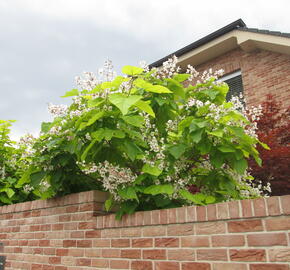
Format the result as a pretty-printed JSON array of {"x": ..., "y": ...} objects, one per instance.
[
  {"x": 234, "y": 25},
  {"x": 265, "y": 32}
]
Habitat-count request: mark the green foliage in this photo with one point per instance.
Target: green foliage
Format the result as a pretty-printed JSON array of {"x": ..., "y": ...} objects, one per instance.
[
  {"x": 145, "y": 143},
  {"x": 12, "y": 165}
]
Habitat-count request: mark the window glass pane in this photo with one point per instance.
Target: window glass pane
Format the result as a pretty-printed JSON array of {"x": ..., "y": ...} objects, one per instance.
[{"x": 236, "y": 86}]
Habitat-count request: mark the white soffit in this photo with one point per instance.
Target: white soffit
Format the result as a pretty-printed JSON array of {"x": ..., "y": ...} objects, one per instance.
[{"x": 247, "y": 41}]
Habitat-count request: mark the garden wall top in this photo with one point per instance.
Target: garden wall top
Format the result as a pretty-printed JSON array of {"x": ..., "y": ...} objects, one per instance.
[
  {"x": 245, "y": 209},
  {"x": 76, "y": 198}
]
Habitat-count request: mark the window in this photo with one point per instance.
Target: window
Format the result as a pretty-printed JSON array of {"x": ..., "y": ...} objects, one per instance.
[{"x": 235, "y": 83}]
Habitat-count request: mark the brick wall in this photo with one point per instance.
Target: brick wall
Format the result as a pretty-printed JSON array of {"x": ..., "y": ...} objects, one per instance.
[
  {"x": 263, "y": 72},
  {"x": 70, "y": 233}
]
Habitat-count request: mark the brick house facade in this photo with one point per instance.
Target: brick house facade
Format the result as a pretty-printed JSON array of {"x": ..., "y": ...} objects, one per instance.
[
  {"x": 263, "y": 72},
  {"x": 262, "y": 57}
]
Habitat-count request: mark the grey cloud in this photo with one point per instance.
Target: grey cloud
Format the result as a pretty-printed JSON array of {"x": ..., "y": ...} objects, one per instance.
[{"x": 42, "y": 49}]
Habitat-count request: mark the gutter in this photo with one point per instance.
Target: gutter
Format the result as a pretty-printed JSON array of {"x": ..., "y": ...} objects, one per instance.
[{"x": 232, "y": 26}]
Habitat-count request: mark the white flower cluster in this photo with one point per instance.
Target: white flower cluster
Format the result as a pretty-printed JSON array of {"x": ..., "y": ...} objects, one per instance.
[
  {"x": 81, "y": 107},
  {"x": 171, "y": 125},
  {"x": 197, "y": 103},
  {"x": 75, "y": 113},
  {"x": 144, "y": 65},
  {"x": 87, "y": 168},
  {"x": 112, "y": 176},
  {"x": 168, "y": 69},
  {"x": 247, "y": 187},
  {"x": 237, "y": 102},
  {"x": 57, "y": 110},
  {"x": 48, "y": 168},
  {"x": 87, "y": 82},
  {"x": 88, "y": 137},
  {"x": 192, "y": 71},
  {"x": 2, "y": 172},
  {"x": 28, "y": 188},
  {"x": 107, "y": 73},
  {"x": 44, "y": 185},
  {"x": 181, "y": 177},
  {"x": 209, "y": 74},
  {"x": 156, "y": 144},
  {"x": 125, "y": 87},
  {"x": 252, "y": 114},
  {"x": 55, "y": 130},
  {"x": 115, "y": 177},
  {"x": 26, "y": 142},
  {"x": 216, "y": 112}
]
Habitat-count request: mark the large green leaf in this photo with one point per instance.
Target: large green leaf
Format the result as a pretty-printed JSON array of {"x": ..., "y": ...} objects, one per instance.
[
  {"x": 177, "y": 150},
  {"x": 37, "y": 177},
  {"x": 132, "y": 71},
  {"x": 149, "y": 87},
  {"x": 134, "y": 120},
  {"x": 196, "y": 198},
  {"x": 185, "y": 123},
  {"x": 110, "y": 133},
  {"x": 25, "y": 178},
  {"x": 123, "y": 102},
  {"x": 217, "y": 133},
  {"x": 144, "y": 106},
  {"x": 265, "y": 146},
  {"x": 71, "y": 93},
  {"x": 151, "y": 170},
  {"x": 131, "y": 149},
  {"x": 9, "y": 191},
  {"x": 88, "y": 148},
  {"x": 227, "y": 148},
  {"x": 181, "y": 77},
  {"x": 126, "y": 207},
  {"x": 4, "y": 199},
  {"x": 94, "y": 118},
  {"x": 128, "y": 193},
  {"x": 240, "y": 165},
  {"x": 159, "y": 89},
  {"x": 46, "y": 126},
  {"x": 159, "y": 189},
  {"x": 196, "y": 135},
  {"x": 176, "y": 88},
  {"x": 109, "y": 204},
  {"x": 96, "y": 102},
  {"x": 204, "y": 146},
  {"x": 217, "y": 159}
]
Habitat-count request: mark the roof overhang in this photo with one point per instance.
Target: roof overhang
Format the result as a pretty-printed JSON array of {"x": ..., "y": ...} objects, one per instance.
[{"x": 247, "y": 41}]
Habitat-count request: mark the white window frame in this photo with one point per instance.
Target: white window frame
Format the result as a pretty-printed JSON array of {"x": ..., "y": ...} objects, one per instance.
[{"x": 230, "y": 76}]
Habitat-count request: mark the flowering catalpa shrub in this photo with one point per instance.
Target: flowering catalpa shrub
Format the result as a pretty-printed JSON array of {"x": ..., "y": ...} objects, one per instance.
[
  {"x": 148, "y": 140},
  {"x": 12, "y": 165}
]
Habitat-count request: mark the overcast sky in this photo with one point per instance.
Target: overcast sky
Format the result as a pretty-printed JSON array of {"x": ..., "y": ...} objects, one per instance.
[{"x": 44, "y": 44}]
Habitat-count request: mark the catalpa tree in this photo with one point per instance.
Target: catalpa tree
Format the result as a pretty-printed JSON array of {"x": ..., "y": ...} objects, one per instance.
[{"x": 147, "y": 139}]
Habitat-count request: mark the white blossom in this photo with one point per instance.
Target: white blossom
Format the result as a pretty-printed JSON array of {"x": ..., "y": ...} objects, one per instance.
[
  {"x": 192, "y": 71},
  {"x": 57, "y": 110},
  {"x": 144, "y": 65},
  {"x": 169, "y": 68}
]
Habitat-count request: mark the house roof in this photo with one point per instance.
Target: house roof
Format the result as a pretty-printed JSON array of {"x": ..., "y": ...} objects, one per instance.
[
  {"x": 266, "y": 32},
  {"x": 233, "y": 35}
]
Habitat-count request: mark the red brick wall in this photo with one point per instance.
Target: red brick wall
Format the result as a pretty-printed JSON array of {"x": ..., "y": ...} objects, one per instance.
[
  {"x": 69, "y": 234},
  {"x": 263, "y": 72}
]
